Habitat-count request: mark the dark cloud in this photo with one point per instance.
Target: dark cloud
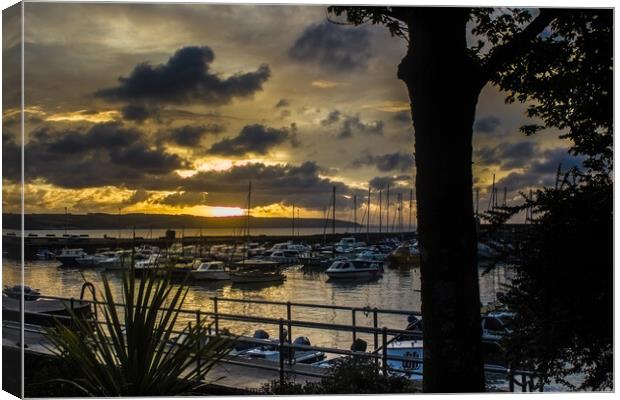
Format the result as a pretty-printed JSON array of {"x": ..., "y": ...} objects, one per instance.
[
  {"x": 402, "y": 117},
  {"x": 487, "y": 125},
  {"x": 137, "y": 197},
  {"x": 388, "y": 162},
  {"x": 282, "y": 103},
  {"x": 382, "y": 182},
  {"x": 332, "y": 118},
  {"x": 542, "y": 171},
  {"x": 104, "y": 154},
  {"x": 185, "y": 77},
  {"x": 190, "y": 135},
  {"x": 11, "y": 156},
  {"x": 508, "y": 155},
  {"x": 286, "y": 184},
  {"x": 183, "y": 199},
  {"x": 255, "y": 139},
  {"x": 352, "y": 124},
  {"x": 336, "y": 47},
  {"x": 137, "y": 113},
  {"x": 555, "y": 157}
]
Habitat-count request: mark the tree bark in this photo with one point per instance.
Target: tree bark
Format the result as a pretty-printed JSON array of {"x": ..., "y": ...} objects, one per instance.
[{"x": 444, "y": 83}]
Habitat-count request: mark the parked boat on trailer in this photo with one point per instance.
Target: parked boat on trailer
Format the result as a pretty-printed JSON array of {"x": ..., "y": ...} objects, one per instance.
[
  {"x": 352, "y": 269},
  {"x": 271, "y": 352}
]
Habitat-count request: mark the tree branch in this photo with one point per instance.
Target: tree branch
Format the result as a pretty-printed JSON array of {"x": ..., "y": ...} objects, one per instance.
[{"x": 512, "y": 49}]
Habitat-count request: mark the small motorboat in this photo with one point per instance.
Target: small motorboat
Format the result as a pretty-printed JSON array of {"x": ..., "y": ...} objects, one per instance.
[
  {"x": 74, "y": 258},
  {"x": 44, "y": 254},
  {"x": 43, "y": 311},
  {"x": 298, "y": 356},
  {"x": 351, "y": 269},
  {"x": 15, "y": 292},
  {"x": 210, "y": 271},
  {"x": 405, "y": 255},
  {"x": 256, "y": 271}
]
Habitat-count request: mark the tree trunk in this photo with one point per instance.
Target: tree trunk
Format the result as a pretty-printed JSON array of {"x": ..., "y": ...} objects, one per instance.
[{"x": 444, "y": 84}]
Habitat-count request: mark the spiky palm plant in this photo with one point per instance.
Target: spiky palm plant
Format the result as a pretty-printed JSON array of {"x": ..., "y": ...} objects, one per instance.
[{"x": 137, "y": 349}]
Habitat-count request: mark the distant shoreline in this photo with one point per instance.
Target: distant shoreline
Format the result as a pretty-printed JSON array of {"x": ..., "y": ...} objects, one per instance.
[{"x": 101, "y": 221}]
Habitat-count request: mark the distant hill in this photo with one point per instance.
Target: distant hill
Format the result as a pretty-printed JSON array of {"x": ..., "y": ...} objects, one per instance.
[{"x": 154, "y": 221}]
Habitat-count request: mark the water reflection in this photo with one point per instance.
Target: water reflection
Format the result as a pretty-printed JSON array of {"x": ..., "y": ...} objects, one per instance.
[{"x": 396, "y": 289}]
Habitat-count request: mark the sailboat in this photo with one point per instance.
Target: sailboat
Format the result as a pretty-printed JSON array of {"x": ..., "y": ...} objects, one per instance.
[{"x": 254, "y": 270}]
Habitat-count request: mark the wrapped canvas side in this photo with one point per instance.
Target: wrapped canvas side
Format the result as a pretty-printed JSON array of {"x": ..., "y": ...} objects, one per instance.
[{"x": 12, "y": 198}]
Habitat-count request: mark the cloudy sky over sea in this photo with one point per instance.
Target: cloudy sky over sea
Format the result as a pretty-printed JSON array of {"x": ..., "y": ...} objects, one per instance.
[{"x": 174, "y": 108}]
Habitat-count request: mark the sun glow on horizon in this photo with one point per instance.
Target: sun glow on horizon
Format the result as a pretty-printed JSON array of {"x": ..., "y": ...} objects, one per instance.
[{"x": 226, "y": 211}]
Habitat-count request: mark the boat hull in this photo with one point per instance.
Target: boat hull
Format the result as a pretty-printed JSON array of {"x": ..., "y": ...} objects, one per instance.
[
  {"x": 353, "y": 274},
  {"x": 67, "y": 261},
  {"x": 246, "y": 278},
  {"x": 210, "y": 275}
]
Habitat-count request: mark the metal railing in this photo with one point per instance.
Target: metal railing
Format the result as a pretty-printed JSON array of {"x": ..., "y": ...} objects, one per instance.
[{"x": 382, "y": 337}]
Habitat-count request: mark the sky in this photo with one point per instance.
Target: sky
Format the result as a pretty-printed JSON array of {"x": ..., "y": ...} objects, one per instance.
[{"x": 174, "y": 108}]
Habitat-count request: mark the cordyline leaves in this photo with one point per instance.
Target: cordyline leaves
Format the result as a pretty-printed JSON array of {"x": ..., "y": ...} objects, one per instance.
[{"x": 136, "y": 350}]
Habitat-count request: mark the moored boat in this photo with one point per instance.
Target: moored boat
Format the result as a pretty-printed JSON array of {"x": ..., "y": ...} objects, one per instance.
[
  {"x": 256, "y": 271},
  {"x": 351, "y": 269},
  {"x": 210, "y": 271},
  {"x": 74, "y": 258}
]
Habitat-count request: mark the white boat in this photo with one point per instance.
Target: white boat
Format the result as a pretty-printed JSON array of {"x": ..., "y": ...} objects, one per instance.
[
  {"x": 350, "y": 269},
  {"x": 290, "y": 246},
  {"x": 409, "y": 348},
  {"x": 284, "y": 256},
  {"x": 113, "y": 260},
  {"x": 348, "y": 244},
  {"x": 210, "y": 271},
  {"x": 74, "y": 258},
  {"x": 298, "y": 356},
  {"x": 495, "y": 325}
]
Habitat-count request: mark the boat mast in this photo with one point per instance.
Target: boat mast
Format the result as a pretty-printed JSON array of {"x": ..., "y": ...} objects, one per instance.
[
  {"x": 387, "y": 201},
  {"x": 293, "y": 220},
  {"x": 247, "y": 219},
  {"x": 368, "y": 217},
  {"x": 334, "y": 210},
  {"x": 380, "y": 209},
  {"x": 400, "y": 212},
  {"x": 410, "y": 206},
  {"x": 354, "y": 214}
]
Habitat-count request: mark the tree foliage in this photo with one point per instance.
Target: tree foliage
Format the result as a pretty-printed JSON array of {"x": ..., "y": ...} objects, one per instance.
[
  {"x": 349, "y": 375},
  {"x": 137, "y": 349},
  {"x": 558, "y": 62},
  {"x": 563, "y": 292}
]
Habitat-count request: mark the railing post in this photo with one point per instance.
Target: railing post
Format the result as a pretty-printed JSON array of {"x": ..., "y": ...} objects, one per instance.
[
  {"x": 199, "y": 344},
  {"x": 353, "y": 324},
  {"x": 288, "y": 319},
  {"x": 511, "y": 382},
  {"x": 384, "y": 351},
  {"x": 281, "y": 348},
  {"x": 216, "y": 316},
  {"x": 290, "y": 331},
  {"x": 375, "y": 324}
]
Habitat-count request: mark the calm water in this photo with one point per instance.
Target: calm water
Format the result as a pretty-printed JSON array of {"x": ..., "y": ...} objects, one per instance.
[{"x": 397, "y": 289}]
